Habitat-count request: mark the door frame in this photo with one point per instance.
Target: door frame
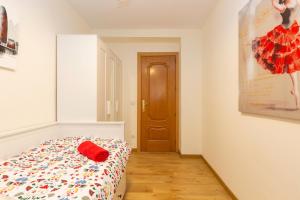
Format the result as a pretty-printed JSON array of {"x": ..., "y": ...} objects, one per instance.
[{"x": 139, "y": 94}]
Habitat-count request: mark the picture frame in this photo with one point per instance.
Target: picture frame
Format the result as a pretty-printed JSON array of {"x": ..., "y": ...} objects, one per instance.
[
  {"x": 269, "y": 58},
  {"x": 9, "y": 40}
]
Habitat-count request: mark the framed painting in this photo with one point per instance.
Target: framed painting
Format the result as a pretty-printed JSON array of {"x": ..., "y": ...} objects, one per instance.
[
  {"x": 9, "y": 44},
  {"x": 269, "y": 60}
]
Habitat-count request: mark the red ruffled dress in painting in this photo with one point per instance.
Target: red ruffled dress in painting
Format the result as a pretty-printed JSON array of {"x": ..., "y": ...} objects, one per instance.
[{"x": 279, "y": 50}]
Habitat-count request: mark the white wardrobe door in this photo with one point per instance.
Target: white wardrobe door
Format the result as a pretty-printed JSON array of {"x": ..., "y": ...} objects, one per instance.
[
  {"x": 110, "y": 84},
  {"x": 118, "y": 91},
  {"x": 102, "y": 84},
  {"x": 77, "y": 78}
]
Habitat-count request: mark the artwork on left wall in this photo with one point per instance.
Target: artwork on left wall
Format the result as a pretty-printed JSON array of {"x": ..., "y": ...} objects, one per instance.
[
  {"x": 269, "y": 60},
  {"x": 9, "y": 44}
]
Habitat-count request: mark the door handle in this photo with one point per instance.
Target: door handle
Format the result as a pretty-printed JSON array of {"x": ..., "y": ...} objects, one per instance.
[{"x": 144, "y": 104}]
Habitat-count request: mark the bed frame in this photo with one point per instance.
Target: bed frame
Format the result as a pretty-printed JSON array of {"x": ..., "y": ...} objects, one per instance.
[
  {"x": 14, "y": 142},
  {"x": 121, "y": 190}
]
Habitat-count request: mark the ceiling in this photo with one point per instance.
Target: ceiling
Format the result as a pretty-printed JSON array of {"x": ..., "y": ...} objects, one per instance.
[{"x": 144, "y": 14}]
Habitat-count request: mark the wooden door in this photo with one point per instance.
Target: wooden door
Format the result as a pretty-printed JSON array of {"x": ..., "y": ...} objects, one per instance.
[{"x": 158, "y": 103}]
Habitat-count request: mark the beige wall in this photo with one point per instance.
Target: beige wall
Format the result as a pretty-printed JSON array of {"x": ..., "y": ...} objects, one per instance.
[
  {"x": 28, "y": 93},
  {"x": 127, "y": 49},
  {"x": 190, "y": 80},
  {"x": 259, "y": 158}
]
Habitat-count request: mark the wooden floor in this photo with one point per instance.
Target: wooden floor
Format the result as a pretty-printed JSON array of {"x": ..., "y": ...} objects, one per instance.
[{"x": 167, "y": 176}]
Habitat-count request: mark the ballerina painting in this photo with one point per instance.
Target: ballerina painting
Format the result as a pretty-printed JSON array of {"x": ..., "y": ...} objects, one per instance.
[{"x": 270, "y": 58}]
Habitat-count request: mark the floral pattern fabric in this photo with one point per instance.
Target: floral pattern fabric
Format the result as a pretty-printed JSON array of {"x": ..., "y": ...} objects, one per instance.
[
  {"x": 56, "y": 170},
  {"x": 279, "y": 50}
]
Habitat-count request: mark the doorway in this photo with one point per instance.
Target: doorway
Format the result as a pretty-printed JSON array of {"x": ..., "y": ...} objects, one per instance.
[{"x": 158, "y": 102}]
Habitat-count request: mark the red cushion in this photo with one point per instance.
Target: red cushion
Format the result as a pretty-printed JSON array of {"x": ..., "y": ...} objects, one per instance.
[{"x": 93, "y": 151}]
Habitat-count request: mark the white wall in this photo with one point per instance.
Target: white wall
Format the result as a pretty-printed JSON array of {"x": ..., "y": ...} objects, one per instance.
[
  {"x": 127, "y": 49},
  {"x": 259, "y": 158},
  {"x": 77, "y": 68},
  {"x": 190, "y": 80},
  {"x": 28, "y": 94}
]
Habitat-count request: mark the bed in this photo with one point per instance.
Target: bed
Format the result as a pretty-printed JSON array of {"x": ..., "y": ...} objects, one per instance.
[{"x": 55, "y": 170}]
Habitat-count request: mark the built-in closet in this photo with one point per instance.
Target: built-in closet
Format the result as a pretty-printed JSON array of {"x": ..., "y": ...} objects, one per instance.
[
  {"x": 110, "y": 84},
  {"x": 89, "y": 80}
]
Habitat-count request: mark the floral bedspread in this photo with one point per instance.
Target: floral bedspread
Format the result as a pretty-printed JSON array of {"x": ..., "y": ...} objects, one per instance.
[{"x": 55, "y": 170}]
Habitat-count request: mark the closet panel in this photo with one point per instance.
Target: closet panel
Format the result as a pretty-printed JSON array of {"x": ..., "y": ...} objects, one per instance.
[
  {"x": 77, "y": 78},
  {"x": 89, "y": 80},
  {"x": 118, "y": 91},
  {"x": 110, "y": 86},
  {"x": 101, "y": 84}
]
